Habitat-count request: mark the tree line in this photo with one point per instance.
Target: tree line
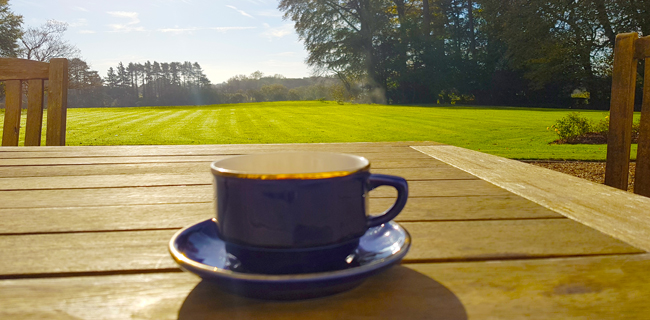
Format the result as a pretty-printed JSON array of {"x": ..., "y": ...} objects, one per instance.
[
  {"x": 175, "y": 83},
  {"x": 152, "y": 84},
  {"x": 506, "y": 52}
]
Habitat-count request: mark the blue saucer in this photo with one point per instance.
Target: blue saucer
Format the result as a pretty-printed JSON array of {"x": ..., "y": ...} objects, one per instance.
[{"x": 199, "y": 249}]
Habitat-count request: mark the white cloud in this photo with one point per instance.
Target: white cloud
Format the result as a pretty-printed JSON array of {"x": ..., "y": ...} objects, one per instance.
[
  {"x": 177, "y": 30},
  {"x": 270, "y": 13},
  {"x": 223, "y": 29},
  {"x": 277, "y": 32},
  {"x": 80, "y": 9},
  {"x": 79, "y": 23},
  {"x": 128, "y": 26},
  {"x": 242, "y": 12},
  {"x": 125, "y": 14}
]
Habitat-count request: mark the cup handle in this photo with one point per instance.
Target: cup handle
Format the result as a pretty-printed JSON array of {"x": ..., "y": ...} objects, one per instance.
[{"x": 399, "y": 183}]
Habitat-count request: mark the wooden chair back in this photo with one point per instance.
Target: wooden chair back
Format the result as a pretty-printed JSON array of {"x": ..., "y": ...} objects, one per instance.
[
  {"x": 629, "y": 49},
  {"x": 16, "y": 71}
]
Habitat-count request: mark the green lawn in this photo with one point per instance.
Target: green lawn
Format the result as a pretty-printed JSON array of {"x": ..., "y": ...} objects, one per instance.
[{"x": 518, "y": 133}]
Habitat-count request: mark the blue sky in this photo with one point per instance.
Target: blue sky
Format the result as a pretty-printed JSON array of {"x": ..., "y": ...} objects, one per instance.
[{"x": 226, "y": 37}]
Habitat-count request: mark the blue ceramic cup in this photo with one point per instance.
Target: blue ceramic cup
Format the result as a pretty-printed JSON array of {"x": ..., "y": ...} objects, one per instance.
[{"x": 297, "y": 203}]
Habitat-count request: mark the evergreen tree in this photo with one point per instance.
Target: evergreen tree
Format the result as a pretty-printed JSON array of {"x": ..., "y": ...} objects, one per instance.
[
  {"x": 10, "y": 30},
  {"x": 112, "y": 80}
]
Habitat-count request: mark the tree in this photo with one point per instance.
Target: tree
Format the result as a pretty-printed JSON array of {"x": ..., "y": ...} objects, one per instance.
[
  {"x": 132, "y": 69},
  {"x": 559, "y": 45},
  {"x": 112, "y": 80},
  {"x": 275, "y": 92},
  {"x": 85, "y": 85},
  {"x": 343, "y": 37},
  {"x": 10, "y": 30},
  {"x": 46, "y": 42},
  {"x": 80, "y": 76}
]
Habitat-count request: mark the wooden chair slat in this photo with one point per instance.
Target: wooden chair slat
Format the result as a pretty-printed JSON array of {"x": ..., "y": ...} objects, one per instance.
[
  {"x": 34, "y": 112},
  {"x": 13, "y": 101},
  {"x": 21, "y": 69},
  {"x": 642, "y": 48},
  {"x": 57, "y": 102},
  {"x": 642, "y": 174},
  {"x": 621, "y": 112}
]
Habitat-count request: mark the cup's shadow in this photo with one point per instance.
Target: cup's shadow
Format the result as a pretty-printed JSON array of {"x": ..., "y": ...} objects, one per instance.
[{"x": 398, "y": 293}]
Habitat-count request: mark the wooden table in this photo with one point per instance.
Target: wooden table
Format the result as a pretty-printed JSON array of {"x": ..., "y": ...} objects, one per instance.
[{"x": 84, "y": 234}]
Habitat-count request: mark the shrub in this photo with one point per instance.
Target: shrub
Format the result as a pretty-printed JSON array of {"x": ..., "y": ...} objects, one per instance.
[
  {"x": 572, "y": 126},
  {"x": 602, "y": 127}
]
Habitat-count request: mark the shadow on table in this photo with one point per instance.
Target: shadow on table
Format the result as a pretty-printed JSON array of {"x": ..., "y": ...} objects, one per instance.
[{"x": 398, "y": 293}]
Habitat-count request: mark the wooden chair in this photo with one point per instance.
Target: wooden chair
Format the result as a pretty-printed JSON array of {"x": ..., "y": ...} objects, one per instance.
[
  {"x": 13, "y": 72},
  {"x": 628, "y": 50}
]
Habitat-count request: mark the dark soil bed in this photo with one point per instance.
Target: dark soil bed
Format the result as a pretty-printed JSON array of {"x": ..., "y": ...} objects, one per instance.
[{"x": 593, "y": 138}]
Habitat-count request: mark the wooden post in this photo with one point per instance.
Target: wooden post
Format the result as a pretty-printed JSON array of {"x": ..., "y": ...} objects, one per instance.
[
  {"x": 621, "y": 111},
  {"x": 34, "y": 112},
  {"x": 642, "y": 173},
  {"x": 13, "y": 102},
  {"x": 57, "y": 102}
]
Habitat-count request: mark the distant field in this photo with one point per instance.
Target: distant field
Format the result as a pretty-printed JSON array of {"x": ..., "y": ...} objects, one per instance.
[{"x": 518, "y": 133}]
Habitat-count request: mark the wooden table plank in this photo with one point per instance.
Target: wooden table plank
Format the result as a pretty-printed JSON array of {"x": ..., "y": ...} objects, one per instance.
[
  {"x": 157, "y": 159},
  {"x": 508, "y": 239},
  {"x": 188, "y": 150},
  {"x": 38, "y": 158},
  {"x": 204, "y": 193},
  {"x": 198, "y": 177},
  {"x": 610, "y": 287},
  {"x": 440, "y": 241},
  {"x": 614, "y": 287},
  {"x": 179, "y": 215},
  {"x": 618, "y": 213},
  {"x": 172, "y": 167}
]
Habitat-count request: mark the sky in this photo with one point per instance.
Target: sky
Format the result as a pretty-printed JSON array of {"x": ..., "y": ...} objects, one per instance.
[{"x": 226, "y": 37}]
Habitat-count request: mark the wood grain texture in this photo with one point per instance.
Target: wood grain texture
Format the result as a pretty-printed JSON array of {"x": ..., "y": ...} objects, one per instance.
[
  {"x": 433, "y": 241},
  {"x": 642, "y": 174},
  {"x": 377, "y": 160},
  {"x": 126, "y": 217},
  {"x": 508, "y": 239},
  {"x": 642, "y": 48},
  {"x": 22, "y": 69},
  {"x": 576, "y": 288},
  {"x": 34, "y": 121},
  {"x": 177, "y": 167},
  {"x": 621, "y": 111},
  {"x": 203, "y": 193},
  {"x": 105, "y": 181},
  {"x": 13, "y": 103},
  {"x": 392, "y": 154},
  {"x": 612, "y": 287},
  {"x": 223, "y": 149},
  {"x": 466, "y": 208},
  {"x": 194, "y": 176},
  {"x": 57, "y": 102},
  {"x": 618, "y": 213}
]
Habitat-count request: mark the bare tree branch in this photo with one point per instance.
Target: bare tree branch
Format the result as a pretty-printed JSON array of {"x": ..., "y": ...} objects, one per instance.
[{"x": 46, "y": 42}]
